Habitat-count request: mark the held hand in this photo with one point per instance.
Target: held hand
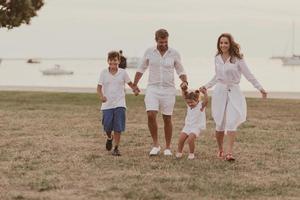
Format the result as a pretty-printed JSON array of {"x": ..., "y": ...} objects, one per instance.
[
  {"x": 263, "y": 93},
  {"x": 202, "y": 108},
  {"x": 184, "y": 86},
  {"x": 203, "y": 90},
  {"x": 136, "y": 90},
  {"x": 103, "y": 99}
]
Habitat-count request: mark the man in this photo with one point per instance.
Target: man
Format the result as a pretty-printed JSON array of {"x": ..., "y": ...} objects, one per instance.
[{"x": 161, "y": 93}]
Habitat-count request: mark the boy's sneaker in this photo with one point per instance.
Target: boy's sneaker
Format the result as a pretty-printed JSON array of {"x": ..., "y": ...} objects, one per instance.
[
  {"x": 116, "y": 152},
  {"x": 109, "y": 144},
  {"x": 154, "y": 151},
  {"x": 167, "y": 152},
  {"x": 191, "y": 156}
]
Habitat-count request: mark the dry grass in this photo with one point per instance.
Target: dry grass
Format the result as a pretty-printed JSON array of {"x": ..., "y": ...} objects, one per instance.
[{"x": 51, "y": 148}]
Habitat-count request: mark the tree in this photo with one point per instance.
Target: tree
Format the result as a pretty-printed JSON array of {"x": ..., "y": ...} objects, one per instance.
[{"x": 14, "y": 13}]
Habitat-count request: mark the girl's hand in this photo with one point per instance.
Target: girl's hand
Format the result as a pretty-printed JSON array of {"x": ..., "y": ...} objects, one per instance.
[
  {"x": 203, "y": 89},
  {"x": 103, "y": 99},
  {"x": 263, "y": 93}
]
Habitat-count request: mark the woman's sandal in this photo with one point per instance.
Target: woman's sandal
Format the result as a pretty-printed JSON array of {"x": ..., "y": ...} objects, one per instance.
[
  {"x": 221, "y": 154},
  {"x": 229, "y": 157}
]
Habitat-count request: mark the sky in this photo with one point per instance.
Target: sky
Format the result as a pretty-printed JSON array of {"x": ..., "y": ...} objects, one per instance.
[{"x": 91, "y": 28}]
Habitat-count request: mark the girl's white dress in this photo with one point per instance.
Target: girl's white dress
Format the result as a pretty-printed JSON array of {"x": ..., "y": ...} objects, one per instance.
[
  {"x": 195, "y": 120},
  {"x": 229, "y": 107}
]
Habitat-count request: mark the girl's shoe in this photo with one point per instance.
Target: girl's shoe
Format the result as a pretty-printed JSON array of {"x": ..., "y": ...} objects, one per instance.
[
  {"x": 178, "y": 155},
  {"x": 229, "y": 157},
  {"x": 221, "y": 154},
  {"x": 191, "y": 156}
]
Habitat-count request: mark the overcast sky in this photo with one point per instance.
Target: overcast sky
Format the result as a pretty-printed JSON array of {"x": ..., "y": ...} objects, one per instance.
[{"x": 90, "y": 28}]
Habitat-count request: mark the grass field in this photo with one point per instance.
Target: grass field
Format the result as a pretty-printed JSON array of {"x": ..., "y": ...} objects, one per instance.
[{"x": 51, "y": 148}]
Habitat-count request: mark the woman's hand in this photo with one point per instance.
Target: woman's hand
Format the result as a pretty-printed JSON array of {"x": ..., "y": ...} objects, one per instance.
[
  {"x": 203, "y": 89},
  {"x": 263, "y": 93}
]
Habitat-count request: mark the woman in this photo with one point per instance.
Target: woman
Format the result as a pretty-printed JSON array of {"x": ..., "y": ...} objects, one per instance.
[{"x": 229, "y": 107}]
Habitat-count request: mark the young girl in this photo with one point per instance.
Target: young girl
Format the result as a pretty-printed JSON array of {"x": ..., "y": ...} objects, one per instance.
[{"x": 194, "y": 121}]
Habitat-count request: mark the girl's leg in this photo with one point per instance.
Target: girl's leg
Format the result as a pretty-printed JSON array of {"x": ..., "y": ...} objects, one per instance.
[
  {"x": 182, "y": 137},
  {"x": 191, "y": 141}
]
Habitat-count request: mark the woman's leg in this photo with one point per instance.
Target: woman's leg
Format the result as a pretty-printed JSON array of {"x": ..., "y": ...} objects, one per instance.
[
  {"x": 220, "y": 140},
  {"x": 231, "y": 138}
]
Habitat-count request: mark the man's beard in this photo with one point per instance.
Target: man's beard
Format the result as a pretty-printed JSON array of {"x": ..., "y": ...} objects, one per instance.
[{"x": 162, "y": 48}]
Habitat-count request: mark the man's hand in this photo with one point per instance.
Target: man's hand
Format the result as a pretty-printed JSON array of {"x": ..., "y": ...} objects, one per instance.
[
  {"x": 136, "y": 90},
  {"x": 184, "y": 86}
]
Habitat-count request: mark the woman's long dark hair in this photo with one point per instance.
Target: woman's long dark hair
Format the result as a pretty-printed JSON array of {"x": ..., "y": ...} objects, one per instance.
[{"x": 234, "y": 48}]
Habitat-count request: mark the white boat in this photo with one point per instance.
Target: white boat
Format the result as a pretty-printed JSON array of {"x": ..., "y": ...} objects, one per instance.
[
  {"x": 57, "y": 71},
  {"x": 133, "y": 62},
  {"x": 33, "y": 61},
  {"x": 293, "y": 60}
]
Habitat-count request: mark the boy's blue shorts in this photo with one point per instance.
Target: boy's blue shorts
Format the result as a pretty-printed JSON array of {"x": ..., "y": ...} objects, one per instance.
[{"x": 114, "y": 119}]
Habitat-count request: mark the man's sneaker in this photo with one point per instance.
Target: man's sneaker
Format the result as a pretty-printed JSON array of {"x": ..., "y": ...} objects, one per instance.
[
  {"x": 178, "y": 155},
  {"x": 109, "y": 144},
  {"x": 191, "y": 156},
  {"x": 154, "y": 151},
  {"x": 167, "y": 152},
  {"x": 116, "y": 152}
]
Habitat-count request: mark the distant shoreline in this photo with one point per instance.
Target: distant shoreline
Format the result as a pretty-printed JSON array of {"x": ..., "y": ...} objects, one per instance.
[{"x": 251, "y": 94}]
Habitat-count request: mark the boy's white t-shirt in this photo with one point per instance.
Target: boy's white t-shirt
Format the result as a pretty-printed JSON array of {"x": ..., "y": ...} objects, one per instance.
[{"x": 113, "y": 88}]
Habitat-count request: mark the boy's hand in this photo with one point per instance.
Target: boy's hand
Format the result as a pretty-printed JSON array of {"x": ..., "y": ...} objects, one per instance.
[
  {"x": 103, "y": 99},
  {"x": 136, "y": 90}
]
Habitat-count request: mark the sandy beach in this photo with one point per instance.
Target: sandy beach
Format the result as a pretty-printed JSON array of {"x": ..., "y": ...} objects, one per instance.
[{"x": 250, "y": 94}]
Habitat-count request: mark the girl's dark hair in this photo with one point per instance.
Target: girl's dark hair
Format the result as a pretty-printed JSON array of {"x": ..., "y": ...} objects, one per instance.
[
  {"x": 194, "y": 95},
  {"x": 234, "y": 47}
]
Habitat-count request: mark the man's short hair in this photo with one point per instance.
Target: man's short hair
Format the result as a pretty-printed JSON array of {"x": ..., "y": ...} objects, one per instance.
[
  {"x": 161, "y": 33},
  {"x": 113, "y": 54}
]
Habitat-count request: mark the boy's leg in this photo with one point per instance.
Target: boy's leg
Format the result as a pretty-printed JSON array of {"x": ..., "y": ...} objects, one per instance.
[
  {"x": 119, "y": 127},
  {"x": 107, "y": 122},
  {"x": 117, "y": 137},
  {"x": 109, "y": 140},
  {"x": 182, "y": 138}
]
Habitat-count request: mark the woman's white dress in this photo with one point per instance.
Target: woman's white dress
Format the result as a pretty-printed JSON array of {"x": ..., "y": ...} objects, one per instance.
[{"x": 229, "y": 107}]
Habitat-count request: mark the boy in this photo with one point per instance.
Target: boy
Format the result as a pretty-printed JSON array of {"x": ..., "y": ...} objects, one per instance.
[{"x": 111, "y": 90}]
